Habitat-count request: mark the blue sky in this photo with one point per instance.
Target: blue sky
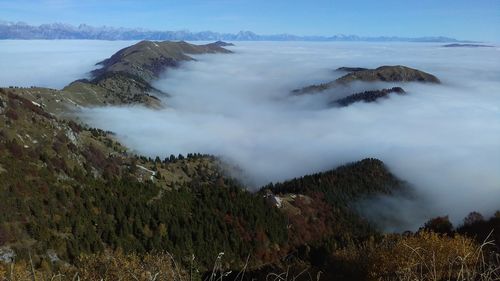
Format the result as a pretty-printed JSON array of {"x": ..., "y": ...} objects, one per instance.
[{"x": 463, "y": 19}]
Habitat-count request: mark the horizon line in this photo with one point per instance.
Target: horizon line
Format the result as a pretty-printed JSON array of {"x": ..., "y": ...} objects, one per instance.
[{"x": 263, "y": 37}]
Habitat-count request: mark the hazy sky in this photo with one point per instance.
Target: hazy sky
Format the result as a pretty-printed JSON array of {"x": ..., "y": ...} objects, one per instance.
[{"x": 462, "y": 19}]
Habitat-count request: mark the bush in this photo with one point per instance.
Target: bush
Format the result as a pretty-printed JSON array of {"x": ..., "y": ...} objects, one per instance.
[
  {"x": 440, "y": 225},
  {"x": 472, "y": 218}
]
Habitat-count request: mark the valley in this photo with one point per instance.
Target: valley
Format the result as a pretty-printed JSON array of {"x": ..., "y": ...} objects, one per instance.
[{"x": 204, "y": 151}]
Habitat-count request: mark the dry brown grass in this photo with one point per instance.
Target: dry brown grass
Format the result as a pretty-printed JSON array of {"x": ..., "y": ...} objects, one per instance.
[
  {"x": 104, "y": 266},
  {"x": 425, "y": 256},
  {"x": 130, "y": 267}
]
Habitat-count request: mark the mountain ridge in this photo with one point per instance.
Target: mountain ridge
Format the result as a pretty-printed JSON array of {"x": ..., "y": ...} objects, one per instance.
[
  {"x": 21, "y": 30},
  {"x": 128, "y": 73},
  {"x": 385, "y": 73}
]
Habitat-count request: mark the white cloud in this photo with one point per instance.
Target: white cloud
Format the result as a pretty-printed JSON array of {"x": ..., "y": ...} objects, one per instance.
[
  {"x": 443, "y": 139},
  {"x": 52, "y": 64}
]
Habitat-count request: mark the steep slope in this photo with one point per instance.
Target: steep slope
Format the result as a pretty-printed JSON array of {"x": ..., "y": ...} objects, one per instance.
[
  {"x": 320, "y": 206},
  {"x": 68, "y": 190}
]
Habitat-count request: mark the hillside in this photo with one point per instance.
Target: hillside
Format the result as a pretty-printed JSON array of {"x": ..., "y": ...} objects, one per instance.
[
  {"x": 148, "y": 59},
  {"x": 320, "y": 206},
  {"x": 58, "y": 179},
  {"x": 76, "y": 204},
  {"x": 396, "y": 73},
  {"x": 124, "y": 78},
  {"x": 392, "y": 74},
  {"x": 127, "y": 75}
]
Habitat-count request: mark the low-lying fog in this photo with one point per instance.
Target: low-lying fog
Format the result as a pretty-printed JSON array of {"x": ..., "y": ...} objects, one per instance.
[
  {"x": 51, "y": 63},
  {"x": 442, "y": 139}
]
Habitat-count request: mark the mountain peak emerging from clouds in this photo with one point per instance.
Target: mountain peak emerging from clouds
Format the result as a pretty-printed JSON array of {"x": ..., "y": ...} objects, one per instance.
[{"x": 21, "y": 30}]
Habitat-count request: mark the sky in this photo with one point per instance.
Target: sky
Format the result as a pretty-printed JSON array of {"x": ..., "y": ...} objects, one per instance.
[{"x": 461, "y": 19}]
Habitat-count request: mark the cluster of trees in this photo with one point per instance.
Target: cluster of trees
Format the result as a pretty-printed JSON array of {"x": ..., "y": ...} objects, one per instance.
[
  {"x": 50, "y": 204},
  {"x": 345, "y": 184},
  {"x": 122, "y": 215},
  {"x": 88, "y": 215},
  {"x": 334, "y": 193},
  {"x": 474, "y": 225},
  {"x": 84, "y": 214}
]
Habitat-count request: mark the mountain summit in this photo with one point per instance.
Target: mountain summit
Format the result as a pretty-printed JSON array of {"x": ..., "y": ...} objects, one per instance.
[
  {"x": 393, "y": 73},
  {"x": 127, "y": 74}
]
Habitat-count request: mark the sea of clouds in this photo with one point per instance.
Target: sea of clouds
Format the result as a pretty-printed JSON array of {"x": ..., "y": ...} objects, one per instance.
[
  {"x": 51, "y": 63},
  {"x": 442, "y": 139}
]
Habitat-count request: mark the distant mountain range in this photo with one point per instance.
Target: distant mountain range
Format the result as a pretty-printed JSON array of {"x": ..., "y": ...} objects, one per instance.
[{"x": 21, "y": 30}]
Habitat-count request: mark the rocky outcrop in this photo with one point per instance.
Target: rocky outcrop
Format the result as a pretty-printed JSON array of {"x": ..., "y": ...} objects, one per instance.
[{"x": 367, "y": 96}]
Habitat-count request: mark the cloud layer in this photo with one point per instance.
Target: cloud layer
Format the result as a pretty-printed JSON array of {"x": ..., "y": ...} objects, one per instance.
[
  {"x": 442, "y": 139},
  {"x": 52, "y": 64}
]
